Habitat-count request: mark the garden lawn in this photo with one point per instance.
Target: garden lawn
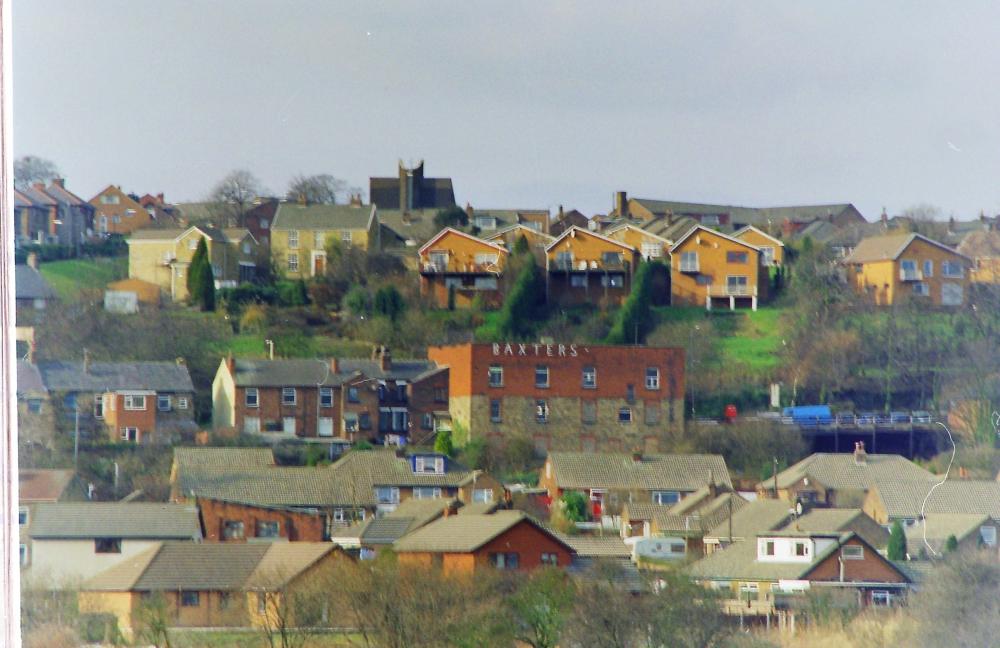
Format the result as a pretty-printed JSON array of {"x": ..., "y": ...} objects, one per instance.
[
  {"x": 755, "y": 340},
  {"x": 71, "y": 277}
]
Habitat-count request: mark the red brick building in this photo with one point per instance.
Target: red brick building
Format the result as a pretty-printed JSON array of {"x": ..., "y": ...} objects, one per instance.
[{"x": 565, "y": 396}]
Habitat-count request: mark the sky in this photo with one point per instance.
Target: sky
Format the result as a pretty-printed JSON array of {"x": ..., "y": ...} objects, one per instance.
[{"x": 523, "y": 104}]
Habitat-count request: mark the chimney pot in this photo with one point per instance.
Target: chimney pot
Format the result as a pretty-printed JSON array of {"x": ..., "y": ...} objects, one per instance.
[
  {"x": 61, "y": 182},
  {"x": 231, "y": 362}
]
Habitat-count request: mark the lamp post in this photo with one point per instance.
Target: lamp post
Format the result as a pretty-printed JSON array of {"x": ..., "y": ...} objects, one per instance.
[{"x": 691, "y": 364}]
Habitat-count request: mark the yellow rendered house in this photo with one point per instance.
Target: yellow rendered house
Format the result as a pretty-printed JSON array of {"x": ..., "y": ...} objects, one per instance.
[
  {"x": 714, "y": 269},
  {"x": 301, "y": 233}
]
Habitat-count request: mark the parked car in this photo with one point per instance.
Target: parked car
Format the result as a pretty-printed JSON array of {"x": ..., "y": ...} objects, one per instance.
[{"x": 899, "y": 418}]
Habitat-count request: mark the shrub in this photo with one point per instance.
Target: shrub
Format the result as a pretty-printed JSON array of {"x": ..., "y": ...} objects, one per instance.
[
  {"x": 254, "y": 319},
  {"x": 442, "y": 443},
  {"x": 574, "y": 506},
  {"x": 358, "y": 301},
  {"x": 897, "y": 542},
  {"x": 389, "y": 302}
]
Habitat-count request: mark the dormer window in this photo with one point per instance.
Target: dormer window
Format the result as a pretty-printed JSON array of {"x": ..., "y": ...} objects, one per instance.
[{"x": 428, "y": 465}]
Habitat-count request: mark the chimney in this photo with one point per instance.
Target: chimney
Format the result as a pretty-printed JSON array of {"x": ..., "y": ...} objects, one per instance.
[
  {"x": 885, "y": 219},
  {"x": 859, "y": 453},
  {"x": 621, "y": 204},
  {"x": 231, "y": 363},
  {"x": 356, "y": 200},
  {"x": 637, "y": 455},
  {"x": 713, "y": 488},
  {"x": 38, "y": 185},
  {"x": 334, "y": 366},
  {"x": 560, "y": 212},
  {"x": 59, "y": 182},
  {"x": 302, "y": 199},
  {"x": 469, "y": 211},
  {"x": 33, "y": 260},
  {"x": 385, "y": 359},
  {"x": 86, "y": 361},
  {"x": 159, "y": 197}
]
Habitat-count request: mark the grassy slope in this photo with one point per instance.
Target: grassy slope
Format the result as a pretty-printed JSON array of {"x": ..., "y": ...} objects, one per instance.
[
  {"x": 68, "y": 278},
  {"x": 755, "y": 340}
]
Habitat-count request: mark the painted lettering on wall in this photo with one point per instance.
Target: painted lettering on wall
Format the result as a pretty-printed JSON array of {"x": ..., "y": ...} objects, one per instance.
[{"x": 529, "y": 349}]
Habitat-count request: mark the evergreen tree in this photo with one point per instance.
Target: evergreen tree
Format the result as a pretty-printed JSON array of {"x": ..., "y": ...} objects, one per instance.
[
  {"x": 525, "y": 302},
  {"x": 635, "y": 317},
  {"x": 443, "y": 444},
  {"x": 201, "y": 279},
  {"x": 194, "y": 270},
  {"x": 897, "y": 542},
  {"x": 521, "y": 245},
  {"x": 951, "y": 545},
  {"x": 389, "y": 302}
]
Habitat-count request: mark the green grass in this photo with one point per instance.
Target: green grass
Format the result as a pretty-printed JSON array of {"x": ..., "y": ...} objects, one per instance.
[
  {"x": 69, "y": 278},
  {"x": 252, "y": 639},
  {"x": 251, "y": 345},
  {"x": 755, "y": 340}
]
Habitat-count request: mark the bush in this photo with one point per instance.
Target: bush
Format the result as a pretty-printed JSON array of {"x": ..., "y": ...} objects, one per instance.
[
  {"x": 574, "y": 506},
  {"x": 897, "y": 542},
  {"x": 97, "y": 628},
  {"x": 451, "y": 217},
  {"x": 443, "y": 444},
  {"x": 389, "y": 302},
  {"x": 358, "y": 301},
  {"x": 292, "y": 293},
  {"x": 254, "y": 319}
]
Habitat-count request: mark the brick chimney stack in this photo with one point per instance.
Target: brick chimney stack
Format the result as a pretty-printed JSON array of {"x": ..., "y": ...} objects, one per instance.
[
  {"x": 59, "y": 182},
  {"x": 231, "y": 363},
  {"x": 384, "y": 359},
  {"x": 334, "y": 366},
  {"x": 355, "y": 200},
  {"x": 469, "y": 211},
  {"x": 860, "y": 456}
]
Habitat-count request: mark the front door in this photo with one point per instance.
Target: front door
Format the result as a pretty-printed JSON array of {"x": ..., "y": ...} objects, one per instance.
[{"x": 319, "y": 264}]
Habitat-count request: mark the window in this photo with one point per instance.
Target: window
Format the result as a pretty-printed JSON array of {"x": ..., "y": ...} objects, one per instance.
[
  {"x": 246, "y": 248},
  {"x": 922, "y": 289},
  {"x": 588, "y": 412},
  {"x": 578, "y": 281},
  {"x": 24, "y": 555},
  {"x": 564, "y": 260},
  {"x": 651, "y": 250},
  {"x": 232, "y": 530},
  {"x": 287, "y": 395},
  {"x": 736, "y": 257},
  {"x": 737, "y": 285},
  {"x": 504, "y": 560},
  {"x": 768, "y": 549},
  {"x": 135, "y": 402},
  {"x": 293, "y": 262},
  {"x": 666, "y": 497},
  {"x": 261, "y": 602},
  {"x": 350, "y": 422},
  {"x": 482, "y": 495},
  {"x": 951, "y": 269},
  {"x": 326, "y": 397},
  {"x": 224, "y": 600},
  {"x": 426, "y": 492},
  {"x": 496, "y": 376},
  {"x": 288, "y": 425},
  {"x": 130, "y": 434},
  {"x": 163, "y": 403},
  {"x": 541, "y": 376},
  {"x": 267, "y": 529},
  {"x": 387, "y": 494},
  {"x": 440, "y": 395},
  {"x": 625, "y": 415},
  {"x": 652, "y": 378},
  {"x": 988, "y": 534},
  {"x": 485, "y": 283},
  {"x": 455, "y": 282},
  {"x": 908, "y": 269},
  {"x": 590, "y": 377},
  {"x": 496, "y": 415},
  {"x": 293, "y": 239},
  {"x": 324, "y": 426},
  {"x": 108, "y": 545},
  {"x": 364, "y": 421},
  {"x": 428, "y": 465},
  {"x": 541, "y": 411},
  {"x": 427, "y": 421},
  {"x": 801, "y": 549},
  {"x": 485, "y": 259},
  {"x": 689, "y": 262},
  {"x": 550, "y": 559},
  {"x": 192, "y": 242},
  {"x": 630, "y": 393},
  {"x": 767, "y": 253},
  {"x": 339, "y": 515},
  {"x": 251, "y": 424},
  {"x": 345, "y": 236},
  {"x": 401, "y": 391},
  {"x": 928, "y": 268},
  {"x": 34, "y": 406},
  {"x": 251, "y": 397},
  {"x": 190, "y": 599},
  {"x": 99, "y": 406},
  {"x": 319, "y": 240},
  {"x": 852, "y": 552},
  {"x": 352, "y": 395},
  {"x": 613, "y": 281},
  {"x": 486, "y": 222},
  {"x": 182, "y": 403},
  {"x": 22, "y": 515},
  {"x": 881, "y": 598}
]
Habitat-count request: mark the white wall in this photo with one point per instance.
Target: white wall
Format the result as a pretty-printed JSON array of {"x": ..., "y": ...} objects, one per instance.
[{"x": 63, "y": 564}]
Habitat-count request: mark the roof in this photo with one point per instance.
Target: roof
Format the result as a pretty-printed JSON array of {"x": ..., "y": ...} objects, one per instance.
[
  {"x": 42, "y": 485},
  {"x": 758, "y": 516},
  {"x": 889, "y": 246},
  {"x": 572, "y": 232},
  {"x": 751, "y": 228},
  {"x": 907, "y": 499},
  {"x": 842, "y": 471},
  {"x": 452, "y": 230},
  {"x": 820, "y": 520},
  {"x": 746, "y": 215},
  {"x": 682, "y": 472},
  {"x": 415, "y": 225},
  {"x": 588, "y": 546},
  {"x": 30, "y": 284},
  {"x": 107, "y": 376},
  {"x": 702, "y": 228},
  {"x": 980, "y": 243},
  {"x": 64, "y": 195},
  {"x": 517, "y": 226},
  {"x": 693, "y": 515},
  {"x": 382, "y": 467},
  {"x": 220, "y": 235},
  {"x": 465, "y": 533},
  {"x": 38, "y": 197},
  {"x": 629, "y": 226},
  {"x": 306, "y": 373},
  {"x": 29, "y": 380},
  {"x": 210, "y": 566},
  {"x": 84, "y": 520},
  {"x": 323, "y": 217},
  {"x": 938, "y": 527},
  {"x": 277, "y": 487}
]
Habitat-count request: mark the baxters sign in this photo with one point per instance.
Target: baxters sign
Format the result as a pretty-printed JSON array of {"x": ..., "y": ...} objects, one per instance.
[{"x": 540, "y": 350}]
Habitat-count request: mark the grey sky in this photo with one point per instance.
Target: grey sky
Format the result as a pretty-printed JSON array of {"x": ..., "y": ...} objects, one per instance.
[{"x": 523, "y": 104}]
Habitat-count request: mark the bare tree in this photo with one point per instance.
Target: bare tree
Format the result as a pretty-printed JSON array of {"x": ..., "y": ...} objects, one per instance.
[
  {"x": 152, "y": 620},
  {"x": 234, "y": 195},
  {"x": 29, "y": 169},
  {"x": 321, "y": 189}
]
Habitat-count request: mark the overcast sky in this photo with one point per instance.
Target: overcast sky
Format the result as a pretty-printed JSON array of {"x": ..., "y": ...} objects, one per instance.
[{"x": 529, "y": 104}]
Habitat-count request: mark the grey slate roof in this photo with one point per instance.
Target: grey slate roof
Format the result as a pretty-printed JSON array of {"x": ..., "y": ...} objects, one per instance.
[
  {"x": 292, "y": 216},
  {"x": 739, "y": 561},
  {"x": 415, "y": 225},
  {"x": 306, "y": 373},
  {"x": 38, "y": 197},
  {"x": 157, "y": 376},
  {"x": 747, "y": 215},
  {"x": 464, "y": 533},
  {"x": 889, "y": 247},
  {"x": 82, "y": 520},
  {"x": 842, "y": 472},
  {"x": 758, "y": 516},
  {"x": 29, "y": 380},
  {"x": 30, "y": 284},
  {"x": 904, "y": 499},
  {"x": 382, "y": 467},
  {"x": 682, "y": 472}
]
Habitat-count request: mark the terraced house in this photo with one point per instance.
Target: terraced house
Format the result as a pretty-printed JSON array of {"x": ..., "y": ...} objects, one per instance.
[
  {"x": 457, "y": 268},
  {"x": 301, "y": 234},
  {"x": 386, "y": 400}
]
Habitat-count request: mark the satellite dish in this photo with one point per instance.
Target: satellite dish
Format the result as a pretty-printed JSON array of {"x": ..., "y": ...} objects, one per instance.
[{"x": 798, "y": 508}]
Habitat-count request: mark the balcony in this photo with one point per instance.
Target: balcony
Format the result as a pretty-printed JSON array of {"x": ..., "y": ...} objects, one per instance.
[
  {"x": 732, "y": 290},
  {"x": 604, "y": 265},
  {"x": 908, "y": 274},
  {"x": 460, "y": 268},
  {"x": 690, "y": 266}
]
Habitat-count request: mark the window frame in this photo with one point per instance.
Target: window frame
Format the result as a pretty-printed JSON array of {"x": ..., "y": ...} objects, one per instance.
[
  {"x": 852, "y": 555},
  {"x": 109, "y": 545},
  {"x": 326, "y": 396},
  {"x": 541, "y": 411},
  {"x": 160, "y": 400},
  {"x": 256, "y": 397},
  {"x": 589, "y": 371},
  {"x": 285, "y": 391},
  {"x": 190, "y": 598},
  {"x": 665, "y": 497},
  {"x": 625, "y": 415},
  {"x": 495, "y": 371},
  {"x": 130, "y": 402},
  {"x": 268, "y": 524},
  {"x": 293, "y": 262},
  {"x": 542, "y": 370},
  {"x": 948, "y": 272},
  {"x": 293, "y": 239},
  {"x": 496, "y": 410},
  {"x": 737, "y": 256},
  {"x": 654, "y": 384},
  {"x": 233, "y": 530}
]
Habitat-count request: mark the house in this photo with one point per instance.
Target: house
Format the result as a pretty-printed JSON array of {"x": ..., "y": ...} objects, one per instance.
[
  {"x": 411, "y": 190},
  {"x": 909, "y": 500},
  {"x": 758, "y": 516},
  {"x": 583, "y": 267},
  {"x": 31, "y": 217},
  {"x": 383, "y": 399},
  {"x": 163, "y": 213},
  {"x": 771, "y": 248},
  {"x": 301, "y": 234},
  {"x": 509, "y": 236},
  {"x": 983, "y": 247},
  {"x": 839, "y": 520},
  {"x": 489, "y": 221},
  {"x": 460, "y": 264},
  {"x": 564, "y": 396},
  {"x": 650, "y": 246},
  {"x": 211, "y": 585},
  {"x": 679, "y": 529},
  {"x": 259, "y": 219},
  {"x": 612, "y": 480},
  {"x": 72, "y": 541},
  {"x": 711, "y": 268},
  {"x": 116, "y": 212},
  {"x": 841, "y": 480},
  {"x": 139, "y": 402},
  {"x": 928, "y": 537},
  {"x": 163, "y": 256},
  {"x": 404, "y": 231},
  {"x": 378, "y": 533},
  {"x": 773, "y": 571},
  {"x": 36, "y": 421},
  {"x": 464, "y": 544},
  {"x": 72, "y": 219},
  {"x": 31, "y": 290},
  {"x": 566, "y": 220},
  {"x": 896, "y": 267}
]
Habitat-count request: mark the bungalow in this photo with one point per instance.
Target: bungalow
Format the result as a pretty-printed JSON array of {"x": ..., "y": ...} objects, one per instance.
[
  {"x": 378, "y": 533},
  {"x": 586, "y": 267},
  {"x": 708, "y": 267},
  {"x": 460, "y": 264},
  {"x": 756, "y": 517},
  {"x": 679, "y": 529},
  {"x": 908, "y": 500}
]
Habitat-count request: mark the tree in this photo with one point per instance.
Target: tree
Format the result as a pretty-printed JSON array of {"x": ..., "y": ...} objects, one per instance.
[
  {"x": 521, "y": 245},
  {"x": 29, "y": 169},
  {"x": 321, "y": 189},
  {"x": 951, "y": 544},
  {"x": 574, "y": 506},
  {"x": 524, "y": 304},
  {"x": 541, "y": 606},
  {"x": 635, "y": 316},
  {"x": 234, "y": 194},
  {"x": 684, "y": 614},
  {"x": 358, "y": 301},
  {"x": 897, "y": 542},
  {"x": 443, "y": 444},
  {"x": 451, "y": 217},
  {"x": 153, "y": 620},
  {"x": 607, "y": 616},
  {"x": 389, "y": 302},
  {"x": 201, "y": 279}
]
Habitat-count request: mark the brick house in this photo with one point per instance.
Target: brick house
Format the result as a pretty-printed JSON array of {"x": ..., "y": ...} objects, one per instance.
[
  {"x": 31, "y": 217},
  {"x": 537, "y": 241},
  {"x": 713, "y": 269},
  {"x": 771, "y": 248},
  {"x": 71, "y": 218},
  {"x": 584, "y": 267},
  {"x": 460, "y": 262},
  {"x": 116, "y": 212},
  {"x": 462, "y": 544},
  {"x": 565, "y": 396},
  {"x": 382, "y": 399},
  {"x": 139, "y": 402}
]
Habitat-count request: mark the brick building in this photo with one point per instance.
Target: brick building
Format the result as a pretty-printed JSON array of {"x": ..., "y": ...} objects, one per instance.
[
  {"x": 565, "y": 396},
  {"x": 385, "y": 400}
]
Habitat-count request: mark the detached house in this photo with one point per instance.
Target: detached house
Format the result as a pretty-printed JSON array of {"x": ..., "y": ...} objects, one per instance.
[
  {"x": 650, "y": 245},
  {"x": 712, "y": 269},
  {"x": 116, "y": 212},
  {"x": 771, "y": 249},
  {"x": 536, "y": 240},
  {"x": 301, "y": 233},
  {"x": 908, "y": 266},
  {"x": 454, "y": 262},
  {"x": 586, "y": 267},
  {"x": 163, "y": 257}
]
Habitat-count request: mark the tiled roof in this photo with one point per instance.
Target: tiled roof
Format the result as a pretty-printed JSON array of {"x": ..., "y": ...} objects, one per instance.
[
  {"x": 30, "y": 284},
  {"x": 322, "y": 217},
  {"x": 410, "y": 515},
  {"x": 42, "y": 485},
  {"x": 38, "y": 197},
  {"x": 904, "y": 500},
  {"x": 283, "y": 561},
  {"x": 683, "y": 472},
  {"x": 227, "y": 235},
  {"x": 81, "y": 520},
  {"x": 842, "y": 472},
  {"x": 739, "y": 561},
  {"x": 463, "y": 533},
  {"x": 381, "y": 467},
  {"x": 29, "y": 380},
  {"x": 415, "y": 225},
  {"x": 156, "y": 376},
  {"x": 820, "y": 520},
  {"x": 279, "y": 486},
  {"x": 609, "y": 546},
  {"x": 938, "y": 527},
  {"x": 64, "y": 195},
  {"x": 889, "y": 247},
  {"x": 193, "y": 465},
  {"x": 756, "y": 517},
  {"x": 980, "y": 243},
  {"x": 305, "y": 373}
]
